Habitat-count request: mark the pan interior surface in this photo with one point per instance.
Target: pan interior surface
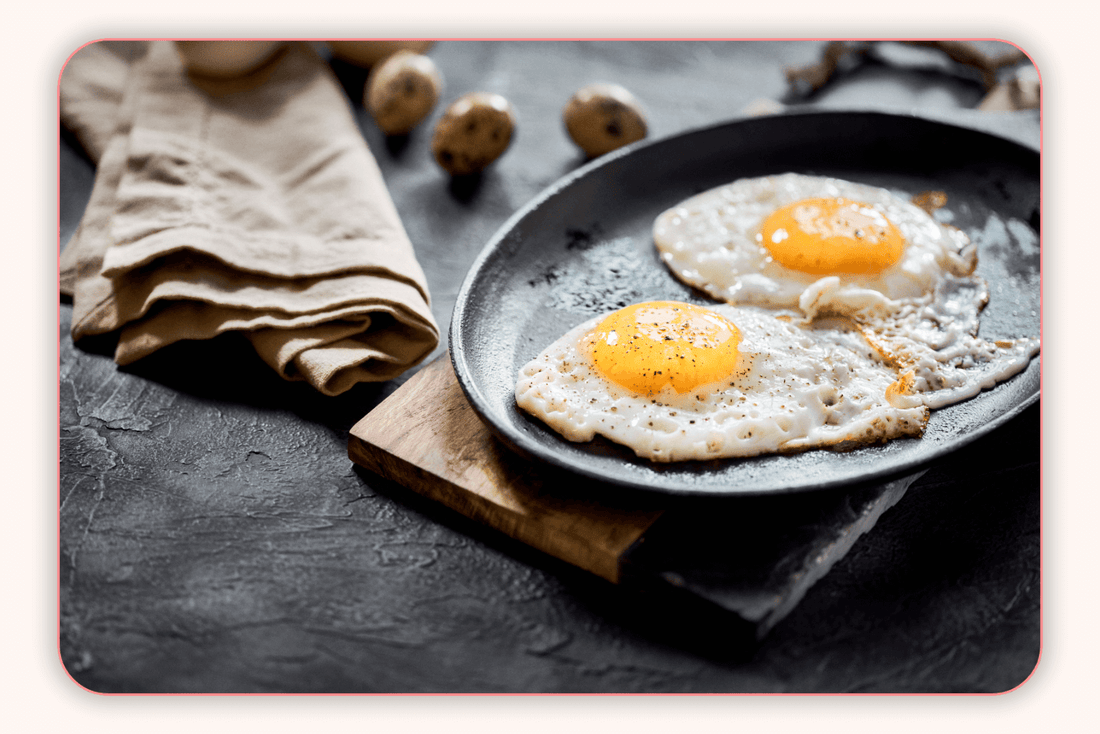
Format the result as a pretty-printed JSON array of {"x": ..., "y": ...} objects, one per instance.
[{"x": 584, "y": 248}]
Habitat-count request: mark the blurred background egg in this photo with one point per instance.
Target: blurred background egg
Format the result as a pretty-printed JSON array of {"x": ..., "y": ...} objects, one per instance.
[
  {"x": 603, "y": 117},
  {"x": 473, "y": 132},
  {"x": 401, "y": 91},
  {"x": 369, "y": 53},
  {"x": 225, "y": 59}
]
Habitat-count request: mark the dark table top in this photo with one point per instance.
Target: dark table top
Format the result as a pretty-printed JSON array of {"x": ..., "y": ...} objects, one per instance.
[{"x": 215, "y": 537}]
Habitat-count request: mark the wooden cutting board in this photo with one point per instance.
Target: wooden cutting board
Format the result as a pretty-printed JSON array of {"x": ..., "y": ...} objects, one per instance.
[
  {"x": 756, "y": 559},
  {"x": 427, "y": 437}
]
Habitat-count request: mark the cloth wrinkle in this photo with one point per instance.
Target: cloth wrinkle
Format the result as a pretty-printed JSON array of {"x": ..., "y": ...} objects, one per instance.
[{"x": 259, "y": 210}]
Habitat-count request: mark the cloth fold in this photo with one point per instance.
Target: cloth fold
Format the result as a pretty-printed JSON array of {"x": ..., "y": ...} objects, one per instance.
[{"x": 250, "y": 205}]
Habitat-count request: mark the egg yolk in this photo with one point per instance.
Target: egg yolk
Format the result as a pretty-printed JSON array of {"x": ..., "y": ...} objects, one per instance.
[
  {"x": 648, "y": 346},
  {"x": 832, "y": 236}
]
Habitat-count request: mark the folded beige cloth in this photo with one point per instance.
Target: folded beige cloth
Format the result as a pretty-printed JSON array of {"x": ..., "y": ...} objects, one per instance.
[{"x": 248, "y": 205}]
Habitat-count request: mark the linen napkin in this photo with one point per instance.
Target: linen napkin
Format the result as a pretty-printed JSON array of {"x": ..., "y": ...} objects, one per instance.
[{"x": 250, "y": 205}]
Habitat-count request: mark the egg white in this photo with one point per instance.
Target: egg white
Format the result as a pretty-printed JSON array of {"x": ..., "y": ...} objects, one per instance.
[
  {"x": 794, "y": 387},
  {"x": 934, "y": 339}
]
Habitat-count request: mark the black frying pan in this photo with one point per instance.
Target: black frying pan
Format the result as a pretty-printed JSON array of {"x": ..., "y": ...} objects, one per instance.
[{"x": 583, "y": 247}]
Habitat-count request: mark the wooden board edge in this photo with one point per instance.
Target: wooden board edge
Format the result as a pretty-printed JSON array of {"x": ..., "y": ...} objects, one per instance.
[{"x": 572, "y": 549}]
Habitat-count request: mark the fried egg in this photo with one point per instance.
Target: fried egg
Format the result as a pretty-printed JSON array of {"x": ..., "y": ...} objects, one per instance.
[
  {"x": 676, "y": 381},
  {"x": 765, "y": 241},
  {"x": 827, "y": 247}
]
